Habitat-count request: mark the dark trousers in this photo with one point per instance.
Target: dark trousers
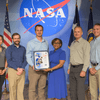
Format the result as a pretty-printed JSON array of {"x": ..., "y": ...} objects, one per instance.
[
  {"x": 77, "y": 86},
  {"x": 2, "y": 78}
]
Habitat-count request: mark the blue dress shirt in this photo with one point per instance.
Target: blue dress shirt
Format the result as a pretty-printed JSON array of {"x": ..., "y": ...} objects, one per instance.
[
  {"x": 16, "y": 57},
  {"x": 35, "y": 45},
  {"x": 95, "y": 52}
]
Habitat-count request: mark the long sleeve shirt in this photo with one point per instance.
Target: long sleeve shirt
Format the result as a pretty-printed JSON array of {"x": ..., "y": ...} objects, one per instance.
[
  {"x": 16, "y": 57},
  {"x": 80, "y": 53},
  {"x": 35, "y": 45},
  {"x": 95, "y": 52}
]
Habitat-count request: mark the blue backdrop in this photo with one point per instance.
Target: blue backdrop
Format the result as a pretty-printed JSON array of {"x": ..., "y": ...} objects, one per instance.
[{"x": 57, "y": 24}]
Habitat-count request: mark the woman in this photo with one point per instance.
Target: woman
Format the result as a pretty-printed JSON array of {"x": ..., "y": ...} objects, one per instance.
[
  {"x": 57, "y": 82},
  {"x": 3, "y": 64}
]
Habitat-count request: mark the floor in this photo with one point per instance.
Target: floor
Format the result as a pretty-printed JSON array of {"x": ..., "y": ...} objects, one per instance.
[{"x": 6, "y": 96}]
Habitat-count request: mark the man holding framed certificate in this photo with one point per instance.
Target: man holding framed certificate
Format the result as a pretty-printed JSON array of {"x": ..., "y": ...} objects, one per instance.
[{"x": 37, "y": 58}]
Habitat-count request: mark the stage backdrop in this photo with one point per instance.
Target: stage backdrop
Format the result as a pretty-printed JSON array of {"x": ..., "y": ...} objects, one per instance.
[{"x": 56, "y": 16}]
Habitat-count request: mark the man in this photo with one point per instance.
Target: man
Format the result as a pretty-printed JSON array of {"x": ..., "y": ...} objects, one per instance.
[
  {"x": 94, "y": 76},
  {"x": 37, "y": 79},
  {"x": 16, "y": 60},
  {"x": 79, "y": 62}
]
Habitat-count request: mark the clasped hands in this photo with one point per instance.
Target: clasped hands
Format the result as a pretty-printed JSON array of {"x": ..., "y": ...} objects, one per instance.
[
  {"x": 93, "y": 71},
  {"x": 19, "y": 71}
]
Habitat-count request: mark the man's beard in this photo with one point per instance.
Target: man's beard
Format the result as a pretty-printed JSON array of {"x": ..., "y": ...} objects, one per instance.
[{"x": 17, "y": 43}]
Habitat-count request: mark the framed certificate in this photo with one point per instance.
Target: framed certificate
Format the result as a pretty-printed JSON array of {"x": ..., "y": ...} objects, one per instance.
[{"x": 41, "y": 60}]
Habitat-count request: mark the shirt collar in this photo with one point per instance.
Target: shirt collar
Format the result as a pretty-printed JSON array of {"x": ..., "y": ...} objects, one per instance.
[
  {"x": 16, "y": 47},
  {"x": 98, "y": 38},
  {"x": 79, "y": 40},
  {"x": 57, "y": 50},
  {"x": 38, "y": 40}
]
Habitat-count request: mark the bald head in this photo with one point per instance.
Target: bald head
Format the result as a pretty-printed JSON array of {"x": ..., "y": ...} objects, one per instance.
[
  {"x": 78, "y": 32},
  {"x": 78, "y": 27}
]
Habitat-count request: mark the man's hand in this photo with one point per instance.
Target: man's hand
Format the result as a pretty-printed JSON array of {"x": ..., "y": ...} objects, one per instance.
[
  {"x": 20, "y": 71},
  {"x": 93, "y": 71},
  {"x": 68, "y": 71},
  {"x": 82, "y": 74},
  {"x": 33, "y": 67},
  {"x": 18, "y": 68}
]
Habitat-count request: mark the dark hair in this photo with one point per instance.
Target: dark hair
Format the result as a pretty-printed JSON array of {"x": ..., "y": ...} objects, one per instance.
[
  {"x": 2, "y": 38},
  {"x": 78, "y": 27},
  {"x": 55, "y": 39},
  {"x": 15, "y": 34},
  {"x": 97, "y": 24},
  {"x": 38, "y": 25}
]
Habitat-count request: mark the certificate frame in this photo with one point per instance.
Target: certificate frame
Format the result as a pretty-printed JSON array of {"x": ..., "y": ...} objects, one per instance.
[{"x": 41, "y": 60}]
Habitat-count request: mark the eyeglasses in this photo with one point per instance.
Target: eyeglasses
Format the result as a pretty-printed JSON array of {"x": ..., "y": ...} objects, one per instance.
[{"x": 56, "y": 43}]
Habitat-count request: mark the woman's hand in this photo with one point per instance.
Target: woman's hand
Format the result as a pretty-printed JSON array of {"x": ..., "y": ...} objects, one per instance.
[
  {"x": 0, "y": 72},
  {"x": 47, "y": 70},
  {"x": 3, "y": 71},
  {"x": 68, "y": 71}
]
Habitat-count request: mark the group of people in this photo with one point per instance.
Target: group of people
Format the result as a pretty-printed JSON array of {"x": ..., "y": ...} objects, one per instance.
[{"x": 82, "y": 56}]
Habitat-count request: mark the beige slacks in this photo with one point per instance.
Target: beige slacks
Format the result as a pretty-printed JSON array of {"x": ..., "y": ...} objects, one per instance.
[
  {"x": 94, "y": 83},
  {"x": 16, "y": 84},
  {"x": 37, "y": 81}
]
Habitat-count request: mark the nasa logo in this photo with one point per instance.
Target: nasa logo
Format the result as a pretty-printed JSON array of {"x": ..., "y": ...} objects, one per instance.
[{"x": 52, "y": 15}]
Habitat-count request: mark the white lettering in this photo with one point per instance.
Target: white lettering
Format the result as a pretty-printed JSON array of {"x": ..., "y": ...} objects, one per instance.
[
  {"x": 60, "y": 13},
  {"x": 49, "y": 12},
  {"x": 39, "y": 13},
  {"x": 27, "y": 12}
]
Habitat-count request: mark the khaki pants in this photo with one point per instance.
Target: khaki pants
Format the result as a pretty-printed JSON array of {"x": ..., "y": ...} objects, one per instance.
[
  {"x": 16, "y": 84},
  {"x": 94, "y": 83},
  {"x": 37, "y": 80}
]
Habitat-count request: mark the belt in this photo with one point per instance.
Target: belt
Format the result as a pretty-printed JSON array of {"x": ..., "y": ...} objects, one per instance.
[
  {"x": 94, "y": 64},
  {"x": 77, "y": 65}
]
